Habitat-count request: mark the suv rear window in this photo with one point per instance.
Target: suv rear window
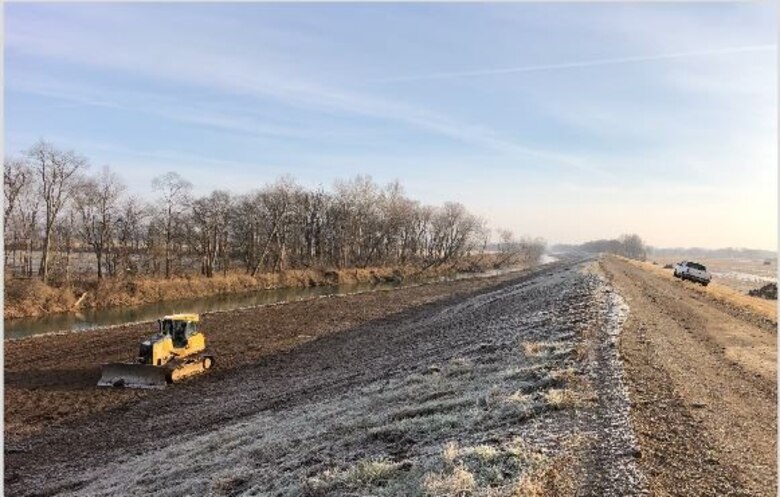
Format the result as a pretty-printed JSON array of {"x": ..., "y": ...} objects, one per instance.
[{"x": 698, "y": 266}]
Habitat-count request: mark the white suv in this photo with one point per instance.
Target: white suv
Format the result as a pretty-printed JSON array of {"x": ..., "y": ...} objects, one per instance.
[{"x": 693, "y": 271}]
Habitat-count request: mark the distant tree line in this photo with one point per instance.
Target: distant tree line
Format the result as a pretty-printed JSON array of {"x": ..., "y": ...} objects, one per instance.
[
  {"x": 54, "y": 211},
  {"x": 628, "y": 245},
  {"x": 721, "y": 253}
]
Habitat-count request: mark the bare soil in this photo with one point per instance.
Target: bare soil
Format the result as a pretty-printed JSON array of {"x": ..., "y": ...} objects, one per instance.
[
  {"x": 702, "y": 381},
  {"x": 50, "y": 380}
]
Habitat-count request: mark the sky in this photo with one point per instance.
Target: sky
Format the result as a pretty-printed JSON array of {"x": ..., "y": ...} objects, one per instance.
[{"x": 569, "y": 121}]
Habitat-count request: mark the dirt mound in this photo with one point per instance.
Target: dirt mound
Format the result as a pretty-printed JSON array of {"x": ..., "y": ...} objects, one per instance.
[{"x": 768, "y": 291}]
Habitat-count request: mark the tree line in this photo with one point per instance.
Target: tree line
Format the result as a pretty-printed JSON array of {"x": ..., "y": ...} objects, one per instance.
[
  {"x": 54, "y": 209},
  {"x": 627, "y": 245}
]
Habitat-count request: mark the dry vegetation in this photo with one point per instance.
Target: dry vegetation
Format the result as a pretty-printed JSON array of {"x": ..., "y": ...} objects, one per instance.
[{"x": 31, "y": 297}]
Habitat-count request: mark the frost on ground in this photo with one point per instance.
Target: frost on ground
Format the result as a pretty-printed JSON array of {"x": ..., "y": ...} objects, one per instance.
[
  {"x": 615, "y": 453},
  {"x": 517, "y": 391}
]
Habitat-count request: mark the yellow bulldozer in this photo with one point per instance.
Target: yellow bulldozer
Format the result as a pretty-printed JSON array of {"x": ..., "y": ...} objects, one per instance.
[{"x": 177, "y": 351}]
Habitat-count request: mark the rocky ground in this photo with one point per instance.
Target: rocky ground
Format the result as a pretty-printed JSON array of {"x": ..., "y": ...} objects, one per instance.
[{"x": 505, "y": 386}]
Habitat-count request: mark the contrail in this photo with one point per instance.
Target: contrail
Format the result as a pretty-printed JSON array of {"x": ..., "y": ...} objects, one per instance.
[{"x": 574, "y": 65}]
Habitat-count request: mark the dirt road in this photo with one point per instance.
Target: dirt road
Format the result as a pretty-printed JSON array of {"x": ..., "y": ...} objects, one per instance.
[
  {"x": 702, "y": 380},
  {"x": 503, "y": 386}
]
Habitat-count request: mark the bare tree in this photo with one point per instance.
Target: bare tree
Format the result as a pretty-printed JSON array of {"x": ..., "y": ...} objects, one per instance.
[
  {"x": 64, "y": 229},
  {"x": 25, "y": 223},
  {"x": 453, "y": 234},
  {"x": 17, "y": 180},
  {"x": 532, "y": 249},
  {"x": 174, "y": 199},
  {"x": 17, "y": 176},
  {"x": 56, "y": 171},
  {"x": 210, "y": 216},
  {"x": 629, "y": 245},
  {"x": 313, "y": 213},
  {"x": 129, "y": 234},
  {"x": 508, "y": 247},
  {"x": 278, "y": 202},
  {"x": 358, "y": 223},
  {"x": 96, "y": 200}
]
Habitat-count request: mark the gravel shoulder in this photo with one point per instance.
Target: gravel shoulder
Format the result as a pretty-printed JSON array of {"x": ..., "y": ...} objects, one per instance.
[{"x": 702, "y": 381}]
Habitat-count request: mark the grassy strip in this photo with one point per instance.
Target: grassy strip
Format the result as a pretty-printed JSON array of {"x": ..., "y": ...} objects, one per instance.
[{"x": 30, "y": 298}]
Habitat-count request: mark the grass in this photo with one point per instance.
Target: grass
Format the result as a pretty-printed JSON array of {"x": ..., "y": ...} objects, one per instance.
[
  {"x": 456, "y": 483},
  {"x": 510, "y": 469},
  {"x": 416, "y": 430},
  {"x": 373, "y": 472},
  {"x": 436, "y": 406},
  {"x": 560, "y": 398},
  {"x": 433, "y": 407},
  {"x": 546, "y": 349},
  {"x": 33, "y": 298},
  {"x": 370, "y": 472},
  {"x": 716, "y": 291},
  {"x": 231, "y": 482}
]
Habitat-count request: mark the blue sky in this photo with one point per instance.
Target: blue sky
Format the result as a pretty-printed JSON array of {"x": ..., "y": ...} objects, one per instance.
[{"x": 569, "y": 121}]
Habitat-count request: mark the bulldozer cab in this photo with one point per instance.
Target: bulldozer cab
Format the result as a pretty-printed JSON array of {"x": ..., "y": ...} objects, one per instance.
[{"x": 179, "y": 327}]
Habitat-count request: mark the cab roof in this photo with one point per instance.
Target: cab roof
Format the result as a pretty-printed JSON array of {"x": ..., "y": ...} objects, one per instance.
[{"x": 183, "y": 317}]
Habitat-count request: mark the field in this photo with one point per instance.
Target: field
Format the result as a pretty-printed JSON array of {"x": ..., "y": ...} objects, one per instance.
[
  {"x": 725, "y": 291},
  {"x": 593, "y": 377},
  {"x": 740, "y": 274}
]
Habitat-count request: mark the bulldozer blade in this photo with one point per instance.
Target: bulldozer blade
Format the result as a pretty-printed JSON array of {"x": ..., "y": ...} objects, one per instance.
[{"x": 133, "y": 376}]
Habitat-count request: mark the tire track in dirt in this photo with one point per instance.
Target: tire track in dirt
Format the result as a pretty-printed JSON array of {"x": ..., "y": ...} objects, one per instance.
[{"x": 704, "y": 403}]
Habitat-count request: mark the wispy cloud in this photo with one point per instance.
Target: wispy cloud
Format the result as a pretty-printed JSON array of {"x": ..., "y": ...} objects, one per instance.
[
  {"x": 576, "y": 64},
  {"x": 194, "y": 64},
  {"x": 176, "y": 110}
]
